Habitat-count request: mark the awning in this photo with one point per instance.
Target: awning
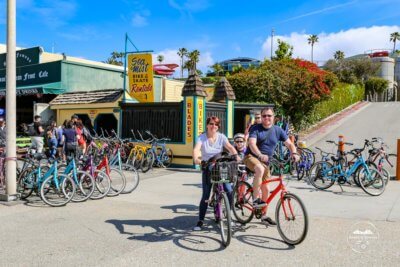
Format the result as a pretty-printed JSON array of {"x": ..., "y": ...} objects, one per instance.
[{"x": 33, "y": 90}]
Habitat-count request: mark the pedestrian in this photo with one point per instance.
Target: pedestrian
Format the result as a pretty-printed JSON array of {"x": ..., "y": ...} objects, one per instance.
[
  {"x": 3, "y": 132},
  {"x": 60, "y": 140},
  {"x": 52, "y": 139},
  {"x": 80, "y": 135},
  {"x": 251, "y": 123},
  {"x": 70, "y": 140},
  {"x": 74, "y": 118},
  {"x": 208, "y": 145},
  {"x": 36, "y": 132}
]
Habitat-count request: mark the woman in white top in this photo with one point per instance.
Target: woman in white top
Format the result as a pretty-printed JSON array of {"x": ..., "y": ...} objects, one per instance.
[{"x": 209, "y": 144}]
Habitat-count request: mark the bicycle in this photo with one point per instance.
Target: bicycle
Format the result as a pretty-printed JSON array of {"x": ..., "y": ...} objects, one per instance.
[
  {"x": 290, "y": 211},
  {"x": 324, "y": 174},
  {"x": 222, "y": 171}
]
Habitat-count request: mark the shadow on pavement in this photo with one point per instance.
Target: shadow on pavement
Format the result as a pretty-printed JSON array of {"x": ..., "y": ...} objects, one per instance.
[
  {"x": 177, "y": 229},
  {"x": 195, "y": 185},
  {"x": 264, "y": 242},
  {"x": 182, "y": 208}
]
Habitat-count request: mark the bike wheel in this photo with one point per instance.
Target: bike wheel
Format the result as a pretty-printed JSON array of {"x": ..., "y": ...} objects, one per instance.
[
  {"x": 137, "y": 159},
  {"x": 118, "y": 182},
  {"x": 85, "y": 186},
  {"x": 132, "y": 178},
  {"x": 26, "y": 182},
  {"x": 57, "y": 195},
  {"x": 321, "y": 175},
  {"x": 291, "y": 219},
  {"x": 372, "y": 182},
  {"x": 243, "y": 202},
  {"x": 148, "y": 161},
  {"x": 103, "y": 184},
  {"x": 168, "y": 157},
  {"x": 223, "y": 217},
  {"x": 300, "y": 170}
]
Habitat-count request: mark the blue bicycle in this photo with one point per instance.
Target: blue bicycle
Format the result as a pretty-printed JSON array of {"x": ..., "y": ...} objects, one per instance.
[{"x": 324, "y": 174}]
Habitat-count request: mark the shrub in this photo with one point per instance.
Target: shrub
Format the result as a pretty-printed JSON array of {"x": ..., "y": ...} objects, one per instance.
[{"x": 376, "y": 85}]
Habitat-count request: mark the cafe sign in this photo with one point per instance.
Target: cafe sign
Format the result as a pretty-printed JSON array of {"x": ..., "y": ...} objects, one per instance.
[
  {"x": 140, "y": 72},
  {"x": 35, "y": 74}
]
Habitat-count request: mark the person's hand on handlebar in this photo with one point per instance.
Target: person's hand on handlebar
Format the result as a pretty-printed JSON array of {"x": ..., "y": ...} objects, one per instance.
[
  {"x": 295, "y": 157},
  {"x": 197, "y": 161},
  {"x": 263, "y": 158}
]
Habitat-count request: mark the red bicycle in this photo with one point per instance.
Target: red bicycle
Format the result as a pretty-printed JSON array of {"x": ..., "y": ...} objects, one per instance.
[{"x": 290, "y": 213}]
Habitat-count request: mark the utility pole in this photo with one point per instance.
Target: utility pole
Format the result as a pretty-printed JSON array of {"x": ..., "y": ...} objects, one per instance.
[
  {"x": 272, "y": 41},
  {"x": 11, "y": 107}
]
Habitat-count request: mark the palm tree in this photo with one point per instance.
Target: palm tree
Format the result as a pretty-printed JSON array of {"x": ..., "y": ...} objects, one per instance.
[
  {"x": 194, "y": 57},
  {"x": 182, "y": 52},
  {"x": 312, "y": 40},
  {"x": 339, "y": 55},
  {"x": 160, "y": 58},
  {"x": 395, "y": 36},
  {"x": 217, "y": 68}
]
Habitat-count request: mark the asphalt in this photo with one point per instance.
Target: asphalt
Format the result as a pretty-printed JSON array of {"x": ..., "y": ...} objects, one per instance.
[{"x": 153, "y": 226}]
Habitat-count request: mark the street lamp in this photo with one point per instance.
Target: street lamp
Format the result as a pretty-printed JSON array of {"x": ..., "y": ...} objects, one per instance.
[{"x": 272, "y": 41}]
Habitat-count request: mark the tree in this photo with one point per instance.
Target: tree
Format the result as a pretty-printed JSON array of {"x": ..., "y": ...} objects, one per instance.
[
  {"x": 115, "y": 59},
  {"x": 194, "y": 57},
  {"x": 182, "y": 52},
  {"x": 395, "y": 36},
  {"x": 284, "y": 51},
  {"x": 312, "y": 40},
  {"x": 339, "y": 55},
  {"x": 376, "y": 85},
  {"x": 160, "y": 58},
  {"x": 218, "y": 69}
]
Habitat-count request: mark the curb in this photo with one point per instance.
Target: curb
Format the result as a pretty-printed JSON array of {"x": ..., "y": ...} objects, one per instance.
[{"x": 333, "y": 121}]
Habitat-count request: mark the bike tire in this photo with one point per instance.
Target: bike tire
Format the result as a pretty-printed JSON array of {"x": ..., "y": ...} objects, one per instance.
[
  {"x": 294, "y": 220},
  {"x": 132, "y": 178},
  {"x": 118, "y": 182},
  {"x": 85, "y": 186},
  {"x": 137, "y": 159},
  {"x": 148, "y": 161},
  {"x": 374, "y": 184},
  {"x": 242, "y": 206},
  {"x": 321, "y": 172},
  {"x": 168, "y": 157},
  {"x": 57, "y": 197},
  {"x": 103, "y": 185},
  {"x": 224, "y": 218},
  {"x": 26, "y": 182}
]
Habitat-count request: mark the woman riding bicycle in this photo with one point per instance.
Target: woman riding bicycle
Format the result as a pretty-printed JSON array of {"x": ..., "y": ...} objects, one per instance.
[{"x": 208, "y": 145}]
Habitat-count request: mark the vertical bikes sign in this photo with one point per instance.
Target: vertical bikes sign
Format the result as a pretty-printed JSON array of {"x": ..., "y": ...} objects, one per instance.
[
  {"x": 189, "y": 119},
  {"x": 140, "y": 72},
  {"x": 200, "y": 116}
]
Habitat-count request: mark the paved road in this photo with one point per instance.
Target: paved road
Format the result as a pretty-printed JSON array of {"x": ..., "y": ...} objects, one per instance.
[{"x": 152, "y": 226}]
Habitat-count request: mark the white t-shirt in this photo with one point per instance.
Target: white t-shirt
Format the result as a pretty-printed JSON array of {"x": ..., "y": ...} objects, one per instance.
[{"x": 208, "y": 150}]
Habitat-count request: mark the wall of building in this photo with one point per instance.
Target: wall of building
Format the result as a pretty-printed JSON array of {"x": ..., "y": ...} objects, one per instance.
[
  {"x": 387, "y": 69},
  {"x": 172, "y": 90}
]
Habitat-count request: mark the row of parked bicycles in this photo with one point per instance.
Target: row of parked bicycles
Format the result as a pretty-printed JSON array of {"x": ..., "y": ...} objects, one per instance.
[{"x": 367, "y": 167}]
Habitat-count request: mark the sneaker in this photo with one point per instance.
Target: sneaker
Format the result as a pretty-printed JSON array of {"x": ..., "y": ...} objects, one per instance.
[
  {"x": 198, "y": 226},
  {"x": 268, "y": 221},
  {"x": 258, "y": 203}
]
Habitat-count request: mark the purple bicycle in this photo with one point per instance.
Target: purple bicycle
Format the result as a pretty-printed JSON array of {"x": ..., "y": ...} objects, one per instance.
[{"x": 222, "y": 170}]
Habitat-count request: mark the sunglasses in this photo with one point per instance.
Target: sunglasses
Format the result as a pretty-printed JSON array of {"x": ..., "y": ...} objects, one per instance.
[
  {"x": 257, "y": 118},
  {"x": 267, "y": 115},
  {"x": 239, "y": 142},
  {"x": 213, "y": 124}
]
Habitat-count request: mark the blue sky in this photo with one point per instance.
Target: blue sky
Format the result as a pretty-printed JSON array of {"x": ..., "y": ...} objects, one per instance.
[{"x": 219, "y": 29}]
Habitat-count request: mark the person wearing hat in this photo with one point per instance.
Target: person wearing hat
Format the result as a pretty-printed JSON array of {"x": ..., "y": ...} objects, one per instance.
[
  {"x": 3, "y": 132},
  {"x": 239, "y": 144}
]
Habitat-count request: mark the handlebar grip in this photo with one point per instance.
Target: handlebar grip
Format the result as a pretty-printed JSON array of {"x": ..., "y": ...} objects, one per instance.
[{"x": 350, "y": 144}]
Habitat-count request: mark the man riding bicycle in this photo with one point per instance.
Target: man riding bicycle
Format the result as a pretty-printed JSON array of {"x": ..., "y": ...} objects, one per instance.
[{"x": 263, "y": 139}]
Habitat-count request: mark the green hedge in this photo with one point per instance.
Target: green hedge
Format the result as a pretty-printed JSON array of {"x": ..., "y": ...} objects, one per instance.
[{"x": 342, "y": 96}]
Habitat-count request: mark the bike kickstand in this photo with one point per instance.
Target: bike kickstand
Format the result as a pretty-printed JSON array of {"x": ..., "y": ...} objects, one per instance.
[{"x": 341, "y": 188}]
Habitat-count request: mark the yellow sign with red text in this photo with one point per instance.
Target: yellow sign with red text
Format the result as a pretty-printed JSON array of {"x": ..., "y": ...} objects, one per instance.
[
  {"x": 140, "y": 73},
  {"x": 189, "y": 120},
  {"x": 200, "y": 117}
]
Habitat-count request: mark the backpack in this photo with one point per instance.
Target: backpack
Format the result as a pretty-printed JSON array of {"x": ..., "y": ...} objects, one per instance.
[
  {"x": 87, "y": 135},
  {"x": 30, "y": 131}
]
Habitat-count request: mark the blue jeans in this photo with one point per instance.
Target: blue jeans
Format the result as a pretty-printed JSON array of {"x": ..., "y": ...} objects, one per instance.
[
  {"x": 52, "y": 143},
  {"x": 207, "y": 186}
]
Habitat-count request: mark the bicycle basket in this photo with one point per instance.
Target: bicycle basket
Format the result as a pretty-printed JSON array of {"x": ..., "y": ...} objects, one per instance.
[{"x": 224, "y": 172}]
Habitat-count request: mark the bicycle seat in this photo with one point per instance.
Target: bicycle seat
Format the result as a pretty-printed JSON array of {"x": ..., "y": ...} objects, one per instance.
[
  {"x": 335, "y": 159},
  {"x": 38, "y": 156},
  {"x": 357, "y": 150}
]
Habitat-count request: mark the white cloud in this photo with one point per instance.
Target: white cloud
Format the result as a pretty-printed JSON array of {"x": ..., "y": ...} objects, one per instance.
[
  {"x": 351, "y": 42},
  {"x": 189, "y": 5},
  {"x": 171, "y": 56},
  {"x": 139, "y": 20}
]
